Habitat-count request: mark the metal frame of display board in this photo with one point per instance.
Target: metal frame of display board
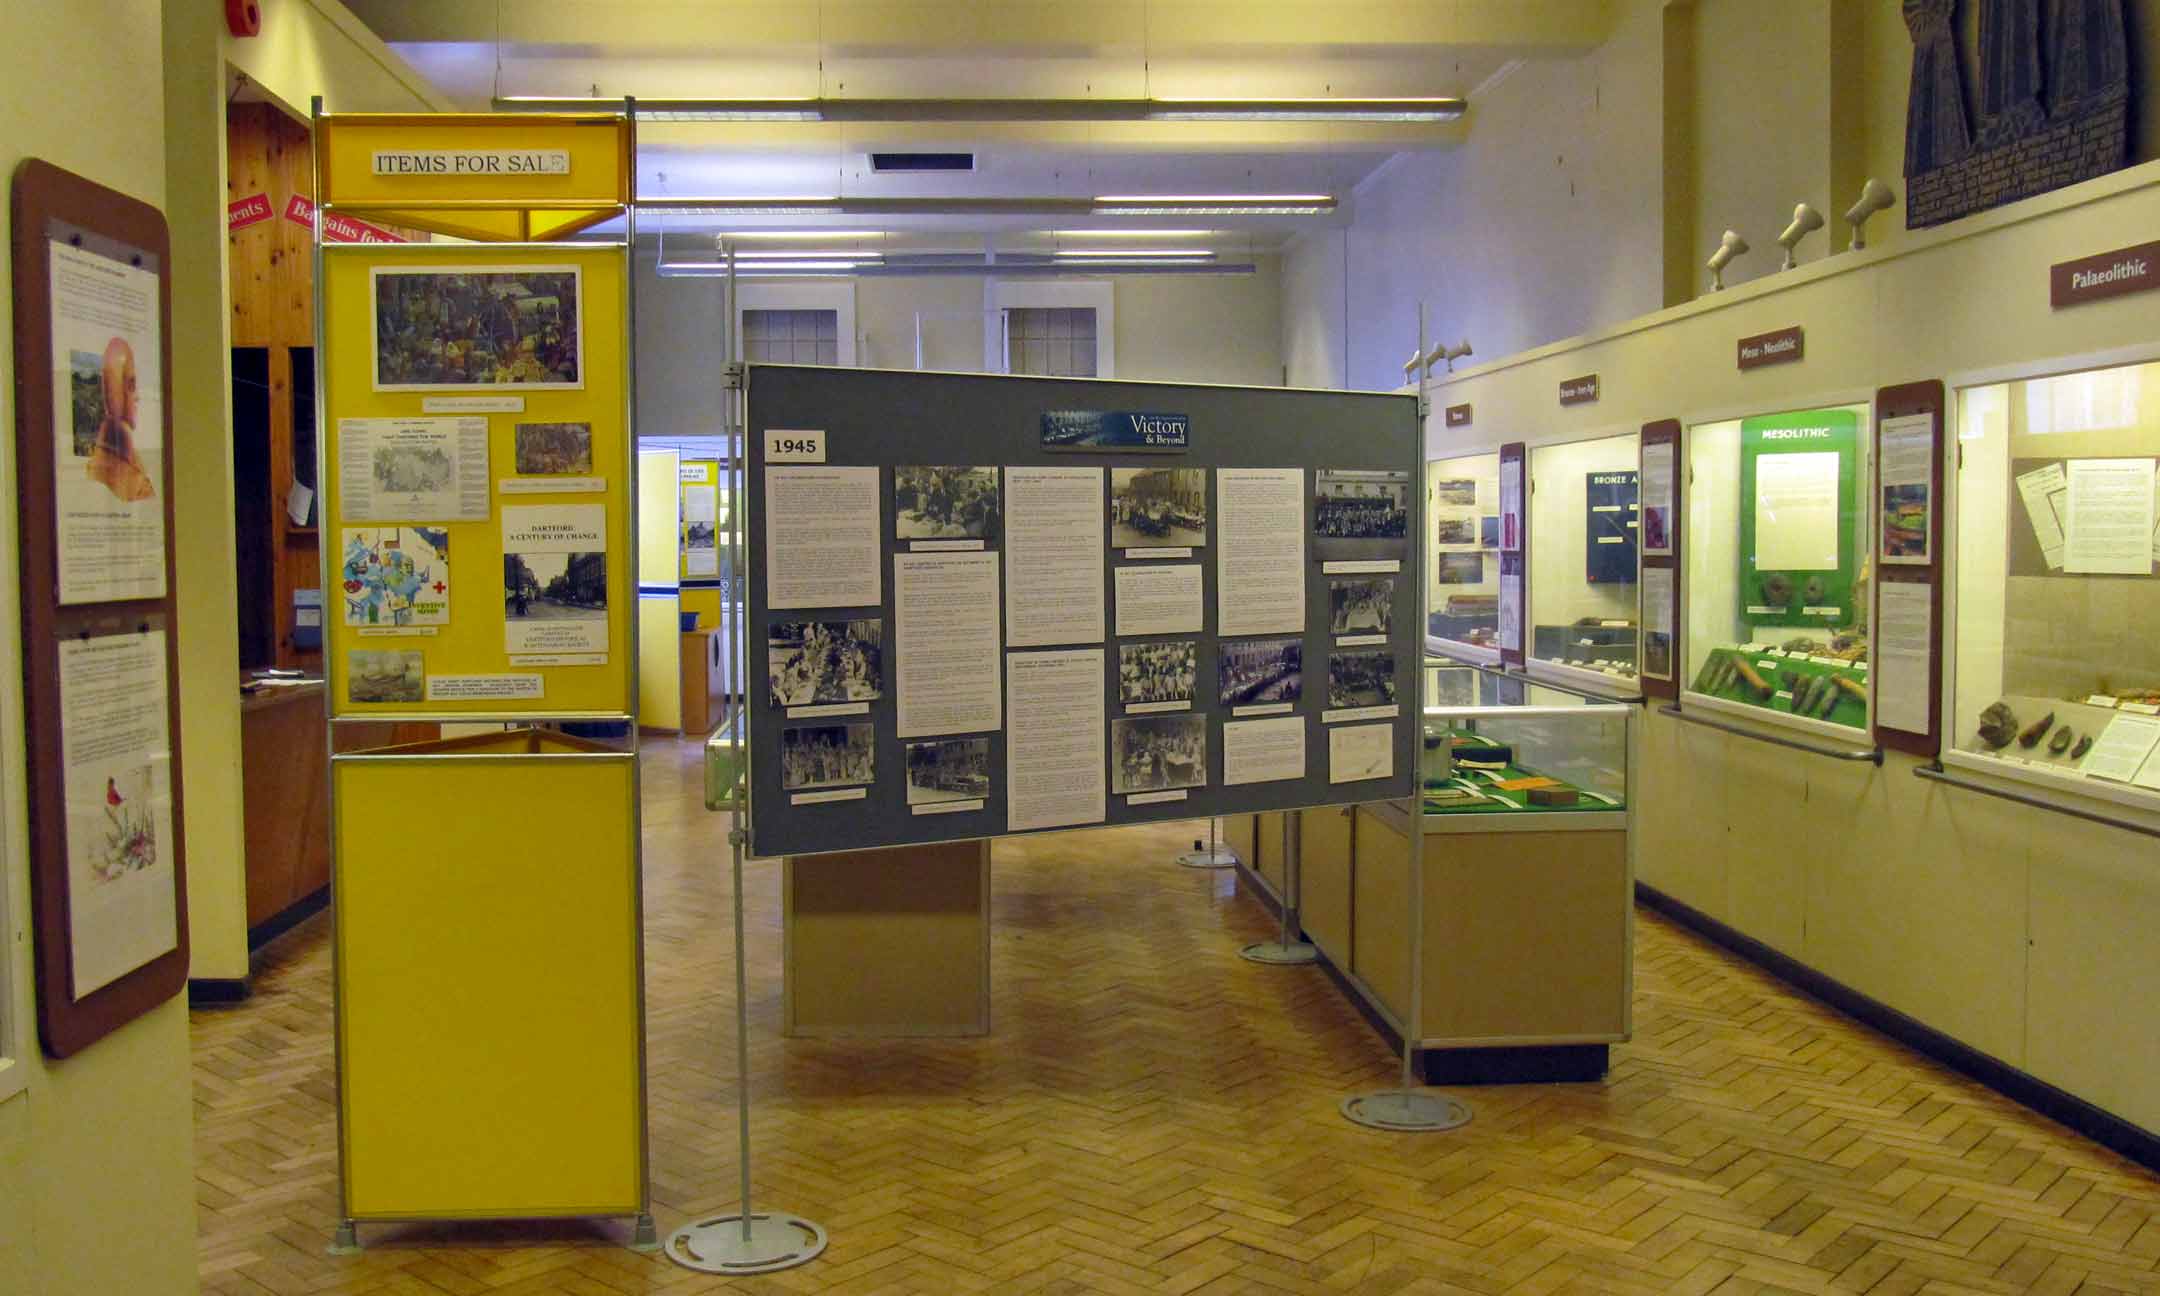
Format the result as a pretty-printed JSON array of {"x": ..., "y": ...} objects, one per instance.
[{"x": 511, "y": 209}]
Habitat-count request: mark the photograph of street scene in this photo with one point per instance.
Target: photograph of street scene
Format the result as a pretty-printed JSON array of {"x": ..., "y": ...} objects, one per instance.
[
  {"x": 555, "y": 586},
  {"x": 813, "y": 663},
  {"x": 945, "y": 503},
  {"x": 1158, "y": 753},
  {"x": 950, "y": 769},
  {"x": 827, "y": 755},
  {"x": 1257, "y": 671},
  {"x": 437, "y": 329},
  {"x": 1158, "y": 507},
  {"x": 1361, "y": 677}
]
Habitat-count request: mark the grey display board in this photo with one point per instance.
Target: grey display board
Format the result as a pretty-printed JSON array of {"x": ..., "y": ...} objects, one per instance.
[{"x": 891, "y": 419}]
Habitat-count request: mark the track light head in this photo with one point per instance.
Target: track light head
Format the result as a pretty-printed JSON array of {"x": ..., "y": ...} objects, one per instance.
[
  {"x": 1875, "y": 196},
  {"x": 1805, "y": 221},
  {"x": 1732, "y": 245}
]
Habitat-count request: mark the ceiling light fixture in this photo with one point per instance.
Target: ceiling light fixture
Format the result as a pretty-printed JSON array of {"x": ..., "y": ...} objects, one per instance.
[
  {"x": 805, "y": 235},
  {"x": 1155, "y": 254},
  {"x": 1117, "y": 205},
  {"x": 1134, "y": 233},
  {"x": 1386, "y": 111}
]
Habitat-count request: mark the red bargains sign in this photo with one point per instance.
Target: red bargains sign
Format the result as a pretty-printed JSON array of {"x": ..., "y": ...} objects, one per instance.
[{"x": 337, "y": 227}]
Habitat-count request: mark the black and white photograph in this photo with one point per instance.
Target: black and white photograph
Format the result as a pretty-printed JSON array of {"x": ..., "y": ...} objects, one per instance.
[
  {"x": 1360, "y": 514},
  {"x": 1361, "y": 604},
  {"x": 1461, "y": 530},
  {"x": 441, "y": 330},
  {"x": 816, "y": 756},
  {"x": 950, "y": 769},
  {"x": 1163, "y": 671},
  {"x": 1455, "y": 490},
  {"x": 1158, "y": 508},
  {"x": 1158, "y": 753},
  {"x": 1361, "y": 677},
  {"x": 1253, "y": 672},
  {"x": 816, "y": 663},
  {"x": 945, "y": 503}
]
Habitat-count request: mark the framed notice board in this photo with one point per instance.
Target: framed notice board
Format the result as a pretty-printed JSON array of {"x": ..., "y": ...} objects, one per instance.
[
  {"x": 93, "y": 431},
  {"x": 988, "y": 605}
]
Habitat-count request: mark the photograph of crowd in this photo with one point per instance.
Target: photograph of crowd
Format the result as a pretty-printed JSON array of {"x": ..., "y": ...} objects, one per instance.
[
  {"x": 945, "y": 503},
  {"x": 1361, "y": 604},
  {"x": 1257, "y": 671},
  {"x": 1361, "y": 677},
  {"x": 1158, "y": 672},
  {"x": 827, "y": 756},
  {"x": 556, "y": 449},
  {"x": 1360, "y": 514},
  {"x": 1158, "y": 753},
  {"x": 1158, "y": 507},
  {"x": 438, "y": 329},
  {"x": 950, "y": 769},
  {"x": 814, "y": 663}
]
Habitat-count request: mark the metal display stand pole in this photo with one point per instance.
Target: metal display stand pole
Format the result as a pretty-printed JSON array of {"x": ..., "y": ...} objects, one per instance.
[
  {"x": 1287, "y": 950},
  {"x": 747, "y": 1241},
  {"x": 1216, "y": 856}
]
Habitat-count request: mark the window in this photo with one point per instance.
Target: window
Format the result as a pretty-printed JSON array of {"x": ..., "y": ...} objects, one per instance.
[
  {"x": 1055, "y": 341},
  {"x": 2055, "y": 666},
  {"x": 791, "y": 336}
]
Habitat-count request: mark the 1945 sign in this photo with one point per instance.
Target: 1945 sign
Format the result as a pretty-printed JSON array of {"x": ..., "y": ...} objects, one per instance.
[{"x": 472, "y": 162}]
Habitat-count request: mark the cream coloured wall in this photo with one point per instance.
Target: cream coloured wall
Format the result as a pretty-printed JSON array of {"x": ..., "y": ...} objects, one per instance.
[
  {"x": 317, "y": 47},
  {"x": 107, "y": 1135},
  {"x": 1314, "y": 339},
  {"x": 1202, "y": 328},
  {"x": 2022, "y": 933}
]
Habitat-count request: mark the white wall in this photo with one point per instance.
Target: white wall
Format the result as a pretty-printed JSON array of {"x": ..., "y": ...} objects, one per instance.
[
  {"x": 1315, "y": 337},
  {"x": 96, "y": 1152}
]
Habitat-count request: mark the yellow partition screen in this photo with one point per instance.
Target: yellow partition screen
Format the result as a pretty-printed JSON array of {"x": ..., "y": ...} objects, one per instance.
[
  {"x": 488, "y": 984},
  {"x": 476, "y": 480}
]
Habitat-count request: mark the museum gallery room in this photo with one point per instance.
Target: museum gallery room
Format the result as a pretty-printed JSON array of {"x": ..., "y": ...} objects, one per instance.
[{"x": 1312, "y": 646}]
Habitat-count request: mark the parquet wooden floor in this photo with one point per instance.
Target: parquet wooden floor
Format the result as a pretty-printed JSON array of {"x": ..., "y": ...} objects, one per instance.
[{"x": 1154, "y": 1115}]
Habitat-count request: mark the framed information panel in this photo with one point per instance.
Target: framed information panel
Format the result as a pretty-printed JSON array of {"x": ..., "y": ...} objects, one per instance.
[
  {"x": 1908, "y": 617},
  {"x": 987, "y": 605},
  {"x": 93, "y": 358}
]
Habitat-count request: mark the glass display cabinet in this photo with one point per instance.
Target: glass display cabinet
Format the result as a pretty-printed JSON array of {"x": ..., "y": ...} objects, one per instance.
[
  {"x": 1778, "y": 570},
  {"x": 1584, "y": 520},
  {"x": 1462, "y": 536},
  {"x": 2055, "y": 663},
  {"x": 1524, "y": 951}
]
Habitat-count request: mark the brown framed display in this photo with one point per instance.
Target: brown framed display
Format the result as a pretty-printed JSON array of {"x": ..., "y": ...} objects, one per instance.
[
  {"x": 1514, "y": 551},
  {"x": 108, "y": 883},
  {"x": 1907, "y": 496},
  {"x": 1659, "y": 545}
]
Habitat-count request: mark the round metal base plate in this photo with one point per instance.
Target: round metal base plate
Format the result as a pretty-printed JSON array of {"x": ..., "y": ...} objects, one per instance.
[
  {"x": 1279, "y": 954},
  {"x": 716, "y": 1245},
  {"x": 1218, "y": 858},
  {"x": 1406, "y": 1111}
]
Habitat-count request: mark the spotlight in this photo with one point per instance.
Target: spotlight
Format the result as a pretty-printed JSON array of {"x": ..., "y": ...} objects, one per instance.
[
  {"x": 1730, "y": 246},
  {"x": 1875, "y": 196},
  {"x": 1805, "y": 221}
]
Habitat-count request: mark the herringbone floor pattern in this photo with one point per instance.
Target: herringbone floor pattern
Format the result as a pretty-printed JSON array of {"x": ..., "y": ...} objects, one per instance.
[{"x": 1153, "y": 1115}]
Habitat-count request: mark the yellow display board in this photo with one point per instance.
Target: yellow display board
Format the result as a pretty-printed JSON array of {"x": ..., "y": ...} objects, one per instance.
[
  {"x": 473, "y": 641},
  {"x": 488, "y": 981},
  {"x": 478, "y": 176}
]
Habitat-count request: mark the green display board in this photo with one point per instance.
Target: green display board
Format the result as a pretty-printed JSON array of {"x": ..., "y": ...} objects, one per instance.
[{"x": 1799, "y": 502}]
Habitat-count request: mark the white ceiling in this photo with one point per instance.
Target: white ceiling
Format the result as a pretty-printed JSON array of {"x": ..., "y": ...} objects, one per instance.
[{"x": 474, "y": 50}]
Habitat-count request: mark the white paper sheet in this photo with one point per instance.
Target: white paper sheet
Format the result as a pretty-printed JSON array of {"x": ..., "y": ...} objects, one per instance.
[
  {"x": 1904, "y": 628},
  {"x": 1796, "y": 511},
  {"x": 1054, "y": 556},
  {"x": 2123, "y": 748},
  {"x": 555, "y": 581},
  {"x": 1159, "y": 600},
  {"x": 413, "y": 469},
  {"x": 1263, "y": 751},
  {"x": 108, "y": 428},
  {"x": 1055, "y": 765},
  {"x": 1657, "y": 622},
  {"x": 2045, "y": 492},
  {"x": 116, "y": 761},
  {"x": 945, "y": 643},
  {"x": 1511, "y": 505},
  {"x": 1360, "y": 752},
  {"x": 1511, "y": 597},
  {"x": 1259, "y": 577},
  {"x": 821, "y": 537},
  {"x": 1657, "y": 499},
  {"x": 2110, "y": 526}
]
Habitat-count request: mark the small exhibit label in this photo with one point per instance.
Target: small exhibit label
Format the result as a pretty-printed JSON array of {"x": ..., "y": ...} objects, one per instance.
[
  {"x": 550, "y": 485},
  {"x": 2101, "y": 700},
  {"x": 947, "y": 807},
  {"x": 558, "y": 659},
  {"x": 1359, "y": 641},
  {"x": 472, "y": 404},
  {"x": 820, "y": 798},
  {"x": 794, "y": 445},
  {"x": 942, "y": 546},
  {"x": 1779, "y": 346},
  {"x": 1154, "y": 798},
  {"x": 467, "y": 688},
  {"x": 1360, "y": 713},
  {"x": 1367, "y": 565},
  {"x": 2110, "y": 274},
  {"x": 828, "y": 709},
  {"x": 1156, "y": 708},
  {"x": 1579, "y": 391},
  {"x": 1458, "y": 415},
  {"x": 1264, "y": 709},
  {"x": 1158, "y": 553},
  {"x": 381, "y": 632},
  {"x": 472, "y": 162}
]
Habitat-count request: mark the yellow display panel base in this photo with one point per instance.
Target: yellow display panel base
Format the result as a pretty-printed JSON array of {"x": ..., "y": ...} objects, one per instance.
[
  {"x": 488, "y": 988},
  {"x": 473, "y": 643}
]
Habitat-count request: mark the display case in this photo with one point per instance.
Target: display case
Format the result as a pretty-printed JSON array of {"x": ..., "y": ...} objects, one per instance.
[
  {"x": 1584, "y": 523},
  {"x": 2055, "y": 668},
  {"x": 1778, "y": 568},
  {"x": 1500, "y": 744},
  {"x": 1462, "y": 539}
]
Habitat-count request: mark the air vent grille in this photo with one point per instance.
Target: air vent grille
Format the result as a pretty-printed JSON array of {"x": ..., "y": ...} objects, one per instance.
[{"x": 899, "y": 162}]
